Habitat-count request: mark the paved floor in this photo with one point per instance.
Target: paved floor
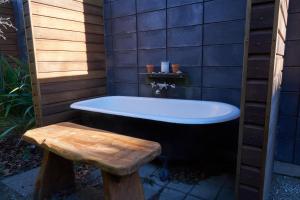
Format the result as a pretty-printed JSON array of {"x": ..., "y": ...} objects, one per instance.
[
  {"x": 20, "y": 187},
  {"x": 218, "y": 188}
]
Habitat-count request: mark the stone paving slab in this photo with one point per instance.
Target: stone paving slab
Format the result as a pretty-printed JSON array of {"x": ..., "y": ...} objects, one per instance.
[
  {"x": 179, "y": 186},
  {"x": 22, "y": 183},
  {"x": 218, "y": 187},
  {"x": 168, "y": 194},
  {"x": 206, "y": 190}
]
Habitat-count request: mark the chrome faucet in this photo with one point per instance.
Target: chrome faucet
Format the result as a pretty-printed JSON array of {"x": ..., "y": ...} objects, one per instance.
[{"x": 160, "y": 86}]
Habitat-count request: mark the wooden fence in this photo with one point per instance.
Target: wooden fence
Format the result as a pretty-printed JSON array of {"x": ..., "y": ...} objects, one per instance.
[
  {"x": 263, "y": 63},
  {"x": 66, "y": 53}
]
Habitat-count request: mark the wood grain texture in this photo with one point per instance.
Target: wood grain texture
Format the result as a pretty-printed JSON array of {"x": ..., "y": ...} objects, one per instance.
[
  {"x": 126, "y": 187},
  {"x": 65, "y": 42},
  {"x": 263, "y": 62},
  {"x": 116, "y": 154},
  {"x": 56, "y": 174}
]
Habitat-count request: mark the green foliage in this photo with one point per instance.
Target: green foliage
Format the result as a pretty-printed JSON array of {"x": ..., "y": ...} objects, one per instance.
[{"x": 16, "y": 106}]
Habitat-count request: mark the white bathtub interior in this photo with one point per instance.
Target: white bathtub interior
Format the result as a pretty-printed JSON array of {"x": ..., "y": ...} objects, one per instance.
[{"x": 164, "y": 110}]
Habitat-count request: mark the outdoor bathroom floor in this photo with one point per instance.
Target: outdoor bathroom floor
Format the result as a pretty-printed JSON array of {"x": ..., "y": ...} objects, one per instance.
[
  {"x": 216, "y": 187},
  {"x": 20, "y": 187}
]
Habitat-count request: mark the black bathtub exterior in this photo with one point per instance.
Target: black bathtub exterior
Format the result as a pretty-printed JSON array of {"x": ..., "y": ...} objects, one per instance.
[{"x": 207, "y": 143}]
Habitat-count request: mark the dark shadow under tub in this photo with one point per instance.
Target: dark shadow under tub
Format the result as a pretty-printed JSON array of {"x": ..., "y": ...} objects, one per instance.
[{"x": 216, "y": 143}]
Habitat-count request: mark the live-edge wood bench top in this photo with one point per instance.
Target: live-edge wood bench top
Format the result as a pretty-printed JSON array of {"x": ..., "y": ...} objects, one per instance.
[{"x": 116, "y": 154}]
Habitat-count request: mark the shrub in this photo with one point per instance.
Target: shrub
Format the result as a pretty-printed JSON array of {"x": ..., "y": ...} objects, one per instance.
[{"x": 16, "y": 105}]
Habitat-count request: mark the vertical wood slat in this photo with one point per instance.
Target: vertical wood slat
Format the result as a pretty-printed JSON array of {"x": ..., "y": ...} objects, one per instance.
[
  {"x": 65, "y": 48},
  {"x": 36, "y": 95},
  {"x": 263, "y": 62}
]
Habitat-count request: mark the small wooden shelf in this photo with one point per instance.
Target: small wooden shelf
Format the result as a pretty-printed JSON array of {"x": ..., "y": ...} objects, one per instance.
[{"x": 164, "y": 75}]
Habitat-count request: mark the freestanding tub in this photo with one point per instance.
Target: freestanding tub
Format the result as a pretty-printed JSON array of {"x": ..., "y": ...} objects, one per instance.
[{"x": 185, "y": 128}]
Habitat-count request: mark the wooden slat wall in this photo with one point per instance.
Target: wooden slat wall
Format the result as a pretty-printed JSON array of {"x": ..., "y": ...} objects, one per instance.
[
  {"x": 263, "y": 63},
  {"x": 66, "y": 52},
  {"x": 10, "y": 45}
]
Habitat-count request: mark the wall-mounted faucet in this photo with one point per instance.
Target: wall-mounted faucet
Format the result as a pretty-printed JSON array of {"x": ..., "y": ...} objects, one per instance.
[{"x": 161, "y": 86}]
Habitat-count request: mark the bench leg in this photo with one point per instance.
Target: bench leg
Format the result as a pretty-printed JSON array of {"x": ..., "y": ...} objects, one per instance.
[
  {"x": 56, "y": 174},
  {"x": 122, "y": 187}
]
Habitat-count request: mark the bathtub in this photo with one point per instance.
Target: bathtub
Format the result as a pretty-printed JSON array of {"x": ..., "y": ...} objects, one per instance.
[
  {"x": 164, "y": 110},
  {"x": 186, "y": 129}
]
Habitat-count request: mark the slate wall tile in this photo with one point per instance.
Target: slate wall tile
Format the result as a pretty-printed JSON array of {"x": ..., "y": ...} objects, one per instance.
[
  {"x": 231, "y": 96},
  {"x": 186, "y": 36},
  {"x": 292, "y": 53},
  {"x": 287, "y": 127},
  {"x": 224, "y": 32},
  {"x": 223, "y": 55},
  {"x": 291, "y": 80},
  {"x": 122, "y": 8},
  {"x": 151, "y": 56},
  {"x": 126, "y": 89},
  {"x": 152, "y": 20},
  {"x": 152, "y": 39},
  {"x": 293, "y": 31},
  {"x": 126, "y": 75},
  {"x": 185, "y": 15},
  {"x": 147, "y": 5},
  {"x": 221, "y": 77},
  {"x": 125, "y": 42},
  {"x": 285, "y": 150},
  {"x": 289, "y": 102},
  {"x": 125, "y": 58},
  {"x": 186, "y": 56},
  {"x": 172, "y": 3},
  {"x": 224, "y": 10},
  {"x": 124, "y": 25}
]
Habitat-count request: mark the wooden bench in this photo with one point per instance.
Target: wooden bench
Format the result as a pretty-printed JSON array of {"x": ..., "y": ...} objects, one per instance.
[{"x": 118, "y": 157}]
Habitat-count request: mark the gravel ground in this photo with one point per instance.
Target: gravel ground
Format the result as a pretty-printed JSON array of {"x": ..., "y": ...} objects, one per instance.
[{"x": 285, "y": 188}]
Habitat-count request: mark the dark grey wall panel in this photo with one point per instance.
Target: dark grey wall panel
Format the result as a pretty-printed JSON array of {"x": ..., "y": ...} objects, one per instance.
[
  {"x": 222, "y": 77},
  {"x": 125, "y": 58},
  {"x": 289, "y": 103},
  {"x": 186, "y": 92},
  {"x": 174, "y": 30},
  {"x": 125, "y": 89},
  {"x": 126, "y": 74},
  {"x": 172, "y": 3},
  {"x": 224, "y": 10},
  {"x": 122, "y": 8},
  {"x": 223, "y": 55},
  {"x": 231, "y": 96},
  {"x": 152, "y": 20},
  {"x": 292, "y": 50},
  {"x": 124, "y": 25},
  {"x": 124, "y": 42},
  {"x": 152, "y": 39},
  {"x": 186, "y": 56},
  {"x": 291, "y": 80},
  {"x": 152, "y": 56},
  {"x": 194, "y": 78},
  {"x": 146, "y": 5},
  {"x": 224, "y": 32},
  {"x": 185, "y": 15},
  {"x": 294, "y": 30},
  {"x": 294, "y": 6},
  {"x": 186, "y": 36}
]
